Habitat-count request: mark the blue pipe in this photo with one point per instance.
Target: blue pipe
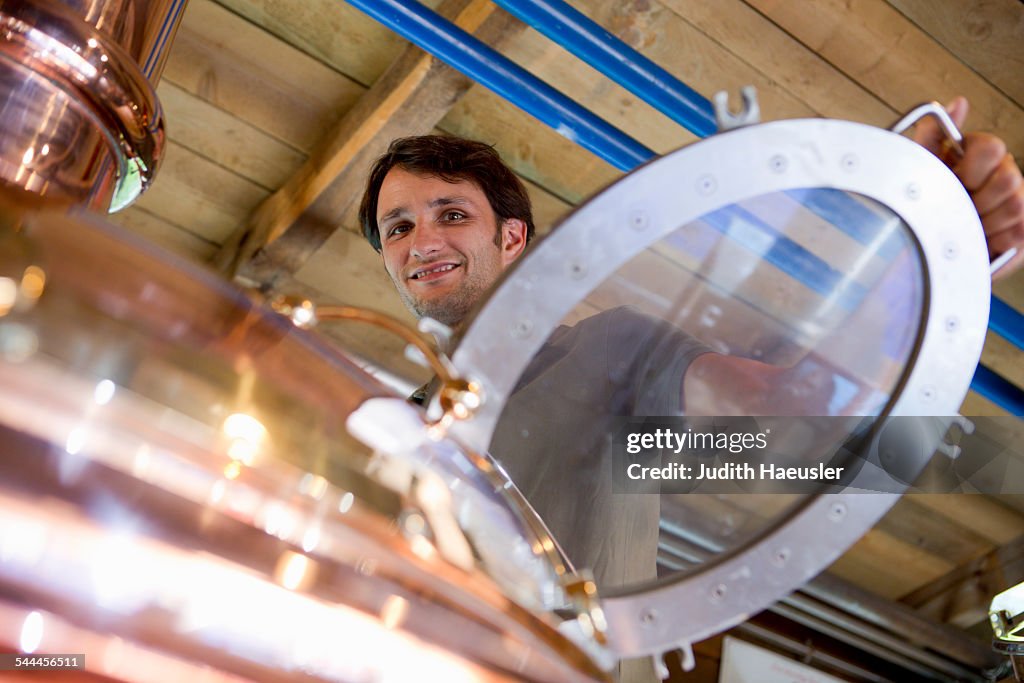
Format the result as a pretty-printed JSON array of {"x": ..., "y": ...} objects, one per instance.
[
  {"x": 1000, "y": 391},
  {"x": 618, "y": 61},
  {"x": 1007, "y": 322},
  {"x": 459, "y": 49},
  {"x": 462, "y": 51}
]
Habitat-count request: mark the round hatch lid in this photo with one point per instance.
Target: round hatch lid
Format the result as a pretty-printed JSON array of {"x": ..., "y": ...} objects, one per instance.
[{"x": 791, "y": 269}]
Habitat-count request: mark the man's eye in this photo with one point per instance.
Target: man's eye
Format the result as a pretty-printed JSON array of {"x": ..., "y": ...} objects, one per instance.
[
  {"x": 454, "y": 215},
  {"x": 399, "y": 229}
]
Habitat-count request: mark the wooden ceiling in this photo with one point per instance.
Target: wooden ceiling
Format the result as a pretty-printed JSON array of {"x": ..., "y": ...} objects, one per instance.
[{"x": 275, "y": 108}]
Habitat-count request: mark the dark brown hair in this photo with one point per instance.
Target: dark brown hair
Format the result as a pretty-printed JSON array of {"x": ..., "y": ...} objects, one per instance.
[{"x": 452, "y": 159}]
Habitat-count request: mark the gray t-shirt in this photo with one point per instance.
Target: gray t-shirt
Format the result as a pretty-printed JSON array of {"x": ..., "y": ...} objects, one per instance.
[{"x": 555, "y": 435}]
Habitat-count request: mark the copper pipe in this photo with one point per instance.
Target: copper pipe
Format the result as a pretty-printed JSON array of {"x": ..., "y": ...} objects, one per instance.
[{"x": 394, "y": 326}]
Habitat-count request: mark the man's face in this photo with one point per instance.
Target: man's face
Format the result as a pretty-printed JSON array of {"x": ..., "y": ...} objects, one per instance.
[{"x": 441, "y": 243}]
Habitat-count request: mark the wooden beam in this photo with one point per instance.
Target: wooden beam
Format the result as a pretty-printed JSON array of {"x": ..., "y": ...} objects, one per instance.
[
  {"x": 245, "y": 71},
  {"x": 984, "y": 34},
  {"x": 410, "y": 98},
  {"x": 962, "y": 596},
  {"x": 775, "y": 54},
  {"x": 883, "y": 51}
]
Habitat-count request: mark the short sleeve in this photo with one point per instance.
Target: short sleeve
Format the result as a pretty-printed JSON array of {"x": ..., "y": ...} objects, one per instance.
[{"x": 647, "y": 359}]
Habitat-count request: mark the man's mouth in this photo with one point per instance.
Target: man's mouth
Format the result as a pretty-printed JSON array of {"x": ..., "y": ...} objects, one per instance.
[{"x": 434, "y": 271}]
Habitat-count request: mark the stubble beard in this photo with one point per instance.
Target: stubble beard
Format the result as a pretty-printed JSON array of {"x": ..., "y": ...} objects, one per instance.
[{"x": 452, "y": 308}]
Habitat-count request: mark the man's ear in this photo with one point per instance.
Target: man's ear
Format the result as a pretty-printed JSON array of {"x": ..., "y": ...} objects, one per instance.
[{"x": 513, "y": 240}]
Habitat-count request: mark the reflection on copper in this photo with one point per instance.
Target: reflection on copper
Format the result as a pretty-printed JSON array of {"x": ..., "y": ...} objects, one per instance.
[
  {"x": 414, "y": 523},
  {"x": 246, "y": 435},
  {"x": 421, "y": 547},
  {"x": 217, "y": 491},
  {"x": 313, "y": 485},
  {"x": 31, "y": 632},
  {"x": 141, "y": 461},
  {"x": 8, "y": 295},
  {"x": 345, "y": 504},
  {"x": 294, "y": 571},
  {"x": 311, "y": 539},
  {"x": 232, "y": 470},
  {"x": 22, "y": 541},
  {"x": 76, "y": 440},
  {"x": 212, "y": 602},
  {"x": 104, "y": 392},
  {"x": 394, "y": 611}
]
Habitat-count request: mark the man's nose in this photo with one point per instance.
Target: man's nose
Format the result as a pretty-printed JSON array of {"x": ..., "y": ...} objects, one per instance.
[{"x": 426, "y": 240}]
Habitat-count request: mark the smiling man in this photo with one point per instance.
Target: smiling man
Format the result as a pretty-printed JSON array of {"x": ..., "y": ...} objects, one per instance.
[{"x": 448, "y": 218}]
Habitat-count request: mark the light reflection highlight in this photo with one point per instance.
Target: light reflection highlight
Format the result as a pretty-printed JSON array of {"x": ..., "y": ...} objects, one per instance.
[
  {"x": 31, "y": 632},
  {"x": 8, "y": 295},
  {"x": 220, "y": 605},
  {"x": 246, "y": 435},
  {"x": 33, "y": 282},
  {"x": 75, "y": 440},
  {"x": 294, "y": 571},
  {"x": 393, "y": 611},
  {"x": 104, "y": 392}
]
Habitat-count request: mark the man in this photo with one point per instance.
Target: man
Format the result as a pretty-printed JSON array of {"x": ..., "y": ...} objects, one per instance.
[{"x": 448, "y": 218}]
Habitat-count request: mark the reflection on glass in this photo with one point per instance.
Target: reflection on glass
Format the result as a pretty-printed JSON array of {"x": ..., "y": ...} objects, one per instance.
[{"x": 811, "y": 302}]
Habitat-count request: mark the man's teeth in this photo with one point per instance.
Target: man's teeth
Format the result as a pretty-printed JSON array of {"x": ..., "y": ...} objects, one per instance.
[{"x": 439, "y": 269}]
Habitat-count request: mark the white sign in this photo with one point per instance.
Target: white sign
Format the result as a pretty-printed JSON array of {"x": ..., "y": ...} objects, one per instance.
[{"x": 746, "y": 663}]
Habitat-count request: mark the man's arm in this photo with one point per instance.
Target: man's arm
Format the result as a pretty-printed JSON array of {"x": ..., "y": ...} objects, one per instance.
[{"x": 716, "y": 384}]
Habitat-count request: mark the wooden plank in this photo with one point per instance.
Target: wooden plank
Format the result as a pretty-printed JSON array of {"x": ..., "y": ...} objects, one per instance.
[
  {"x": 1002, "y": 356},
  {"x": 985, "y": 34},
  {"x": 732, "y": 24},
  {"x": 163, "y": 233},
  {"x": 962, "y": 596},
  {"x": 195, "y": 192},
  {"x": 238, "y": 67},
  {"x": 983, "y": 515},
  {"x": 976, "y": 404},
  {"x": 411, "y": 96},
  {"x": 562, "y": 167},
  {"x": 331, "y": 32},
  {"x": 887, "y": 566},
  {"x": 918, "y": 526},
  {"x": 662, "y": 36},
  {"x": 883, "y": 51},
  {"x": 596, "y": 93},
  {"x": 691, "y": 55},
  {"x": 367, "y": 283},
  {"x": 534, "y": 151},
  {"x": 226, "y": 140}
]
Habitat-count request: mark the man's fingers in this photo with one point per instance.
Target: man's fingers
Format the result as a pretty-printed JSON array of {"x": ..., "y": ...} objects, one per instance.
[
  {"x": 1005, "y": 217},
  {"x": 982, "y": 155},
  {"x": 1013, "y": 264},
  {"x": 1001, "y": 185},
  {"x": 929, "y": 134}
]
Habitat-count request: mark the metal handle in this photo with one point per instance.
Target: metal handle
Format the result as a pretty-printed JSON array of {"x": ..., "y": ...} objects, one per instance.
[{"x": 954, "y": 138}]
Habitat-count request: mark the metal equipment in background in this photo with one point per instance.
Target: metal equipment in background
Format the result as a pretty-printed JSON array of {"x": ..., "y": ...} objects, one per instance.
[{"x": 80, "y": 118}]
